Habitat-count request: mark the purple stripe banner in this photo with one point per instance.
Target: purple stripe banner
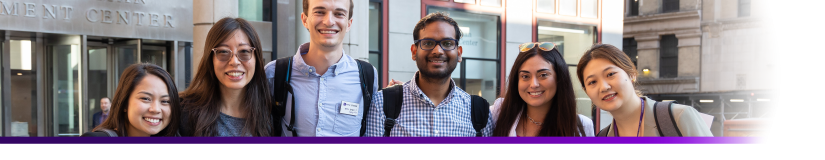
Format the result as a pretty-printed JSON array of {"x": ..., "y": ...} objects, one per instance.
[{"x": 379, "y": 140}]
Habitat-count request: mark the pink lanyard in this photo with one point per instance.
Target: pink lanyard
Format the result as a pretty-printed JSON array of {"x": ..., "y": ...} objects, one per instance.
[{"x": 616, "y": 125}]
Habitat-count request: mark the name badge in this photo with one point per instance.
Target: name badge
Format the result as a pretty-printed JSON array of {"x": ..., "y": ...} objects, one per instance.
[{"x": 349, "y": 108}]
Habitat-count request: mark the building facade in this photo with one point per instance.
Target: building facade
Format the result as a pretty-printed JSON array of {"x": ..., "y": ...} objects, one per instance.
[
  {"x": 60, "y": 57},
  {"x": 703, "y": 53}
]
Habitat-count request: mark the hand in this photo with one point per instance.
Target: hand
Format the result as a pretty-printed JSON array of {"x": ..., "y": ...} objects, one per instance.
[{"x": 394, "y": 82}]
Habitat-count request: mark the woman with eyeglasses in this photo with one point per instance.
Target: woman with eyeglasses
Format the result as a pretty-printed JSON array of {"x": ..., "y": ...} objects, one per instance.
[
  {"x": 229, "y": 95},
  {"x": 608, "y": 78},
  {"x": 539, "y": 98}
]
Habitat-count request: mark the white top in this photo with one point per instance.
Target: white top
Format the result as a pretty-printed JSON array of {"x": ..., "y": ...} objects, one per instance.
[{"x": 495, "y": 109}]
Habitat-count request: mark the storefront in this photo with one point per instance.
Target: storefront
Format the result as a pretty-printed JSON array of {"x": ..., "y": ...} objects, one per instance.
[{"x": 60, "y": 57}]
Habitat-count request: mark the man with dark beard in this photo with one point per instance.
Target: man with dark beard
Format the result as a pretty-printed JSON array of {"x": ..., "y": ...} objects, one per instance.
[{"x": 431, "y": 105}]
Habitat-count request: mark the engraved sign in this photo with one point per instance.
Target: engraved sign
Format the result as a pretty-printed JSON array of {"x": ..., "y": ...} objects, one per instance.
[{"x": 150, "y": 19}]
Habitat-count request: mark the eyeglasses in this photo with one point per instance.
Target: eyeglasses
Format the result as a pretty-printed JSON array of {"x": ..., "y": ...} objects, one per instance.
[
  {"x": 224, "y": 53},
  {"x": 429, "y": 44},
  {"x": 544, "y": 46}
]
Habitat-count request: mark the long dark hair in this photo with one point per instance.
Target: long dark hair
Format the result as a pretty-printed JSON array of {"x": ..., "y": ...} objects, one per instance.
[
  {"x": 561, "y": 119},
  {"x": 203, "y": 97},
  {"x": 119, "y": 120}
]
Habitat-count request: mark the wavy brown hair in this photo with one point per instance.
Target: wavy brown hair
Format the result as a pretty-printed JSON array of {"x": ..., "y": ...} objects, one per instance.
[
  {"x": 203, "y": 97},
  {"x": 561, "y": 119},
  {"x": 118, "y": 119}
]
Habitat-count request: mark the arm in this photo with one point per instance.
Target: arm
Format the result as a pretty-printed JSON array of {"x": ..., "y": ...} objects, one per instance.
[
  {"x": 689, "y": 122},
  {"x": 375, "y": 121}
]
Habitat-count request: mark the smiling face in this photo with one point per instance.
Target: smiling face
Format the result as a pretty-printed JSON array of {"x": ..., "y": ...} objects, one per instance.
[
  {"x": 607, "y": 85},
  {"x": 327, "y": 21},
  {"x": 149, "y": 109},
  {"x": 234, "y": 73},
  {"x": 537, "y": 82},
  {"x": 436, "y": 63}
]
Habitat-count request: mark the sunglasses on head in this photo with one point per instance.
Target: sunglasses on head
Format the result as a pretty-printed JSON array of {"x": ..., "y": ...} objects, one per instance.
[{"x": 544, "y": 46}]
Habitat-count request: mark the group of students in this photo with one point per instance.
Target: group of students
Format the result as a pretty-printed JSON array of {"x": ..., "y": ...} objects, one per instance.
[{"x": 321, "y": 91}]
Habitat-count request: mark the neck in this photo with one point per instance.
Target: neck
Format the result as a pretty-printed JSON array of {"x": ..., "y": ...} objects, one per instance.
[
  {"x": 322, "y": 57},
  {"x": 435, "y": 89},
  {"x": 134, "y": 132},
  {"x": 538, "y": 113},
  {"x": 627, "y": 116},
  {"x": 231, "y": 100}
]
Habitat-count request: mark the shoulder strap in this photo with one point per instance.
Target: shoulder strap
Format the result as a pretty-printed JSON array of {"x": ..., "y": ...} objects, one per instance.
[
  {"x": 393, "y": 98},
  {"x": 666, "y": 125},
  {"x": 366, "y": 74},
  {"x": 109, "y": 132},
  {"x": 281, "y": 89},
  {"x": 603, "y": 132},
  {"x": 480, "y": 113}
]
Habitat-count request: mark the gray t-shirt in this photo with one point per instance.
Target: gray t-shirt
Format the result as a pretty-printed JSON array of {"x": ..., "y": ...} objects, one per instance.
[{"x": 229, "y": 126}]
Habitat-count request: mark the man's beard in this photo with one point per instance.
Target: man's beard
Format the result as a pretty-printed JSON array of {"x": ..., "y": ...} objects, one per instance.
[{"x": 424, "y": 69}]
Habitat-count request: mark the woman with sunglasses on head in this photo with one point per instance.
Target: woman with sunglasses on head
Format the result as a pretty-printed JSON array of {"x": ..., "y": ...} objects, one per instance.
[
  {"x": 539, "y": 99},
  {"x": 229, "y": 95},
  {"x": 145, "y": 104},
  {"x": 608, "y": 77}
]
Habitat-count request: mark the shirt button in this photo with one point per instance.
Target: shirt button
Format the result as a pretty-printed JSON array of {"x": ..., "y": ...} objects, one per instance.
[
  {"x": 318, "y": 130},
  {"x": 322, "y": 78},
  {"x": 319, "y": 104},
  {"x": 436, "y": 131}
]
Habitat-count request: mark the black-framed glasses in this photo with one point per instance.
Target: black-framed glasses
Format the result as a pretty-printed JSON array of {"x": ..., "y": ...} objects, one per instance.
[
  {"x": 224, "y": 53},
  {"x": 544, "y": 46},
  {"x": 429, "y": 44}
]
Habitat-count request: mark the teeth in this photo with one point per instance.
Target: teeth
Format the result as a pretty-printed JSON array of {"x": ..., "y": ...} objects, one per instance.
[
  {"x": 151, "y": 120},
  {"x": 437, "y": 61},
  {"x": 235, "y": 74},
  {"x": 534, "y": 93},
  {"x": 328, "y": 32},
  {"x": 608, "y": 96}
]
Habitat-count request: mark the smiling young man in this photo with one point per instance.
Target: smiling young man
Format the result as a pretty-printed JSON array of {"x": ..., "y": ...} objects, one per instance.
[
  {"x": 431, "y": 104},
  {"x": 329, "y": 88}
]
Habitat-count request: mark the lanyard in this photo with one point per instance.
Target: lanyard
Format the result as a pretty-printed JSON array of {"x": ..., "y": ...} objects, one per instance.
[{"x": 615, "y": 125}]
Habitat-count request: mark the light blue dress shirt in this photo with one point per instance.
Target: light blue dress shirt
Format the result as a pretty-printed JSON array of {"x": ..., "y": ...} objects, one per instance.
[{"x": 319, "y": 97}]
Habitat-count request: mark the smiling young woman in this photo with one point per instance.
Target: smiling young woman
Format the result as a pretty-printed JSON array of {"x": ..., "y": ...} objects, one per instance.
[
  {"x": 229, "y": 94},
  {"x": 608, "y": 77},
  {"x": 145, "y": 104}
]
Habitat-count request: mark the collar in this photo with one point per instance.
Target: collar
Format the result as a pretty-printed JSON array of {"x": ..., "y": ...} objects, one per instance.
[
  {"x": 300, "y": 65},
  {"x": 416, "y": 91}
]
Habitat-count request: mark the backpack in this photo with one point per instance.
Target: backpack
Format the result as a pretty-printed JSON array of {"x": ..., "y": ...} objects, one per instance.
[
  {"x": 282, "y": 89},
  {"x": 663, "y": 114},
  {"x": 394, "y": 96},
  {"x": 109, "y": 132}
]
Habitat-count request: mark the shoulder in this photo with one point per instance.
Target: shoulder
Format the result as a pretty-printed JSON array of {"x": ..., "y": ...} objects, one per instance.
[
  {"x": 94, "y": 134},
  {"x": 270, "y": 69},
  {"x": 689, "y": 121},
  {"x": 585, "y": 121},
  {"x": 495, "y": 109}
]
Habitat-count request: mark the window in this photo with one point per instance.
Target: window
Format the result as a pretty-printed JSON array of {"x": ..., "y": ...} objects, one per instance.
[
  {"x": 375, "y": 22},
  {"x": 670, "y": 6},
  {"x": 496, "y": 3},
  {"x": 572, "y": 41},
  {"x": 629, "y": 48},
  {"x": 590, "y": 8},
  {"x": 744, "y": 8},
  {"x": 255, "y": 10},
  {"x": 634, "y": 8},
  {"x": 567, "y": 7},
  {"x": 668, "y": 56},
  {"x": 546, "y": 6}
]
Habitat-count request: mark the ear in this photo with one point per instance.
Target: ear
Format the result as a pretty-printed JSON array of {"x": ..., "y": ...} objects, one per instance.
[
  {"x": 349, "y": 25},
  {"x": 304, "y": 20},
  {"x": 413, "y": 50},
  {"x": 459, "y": 50}
]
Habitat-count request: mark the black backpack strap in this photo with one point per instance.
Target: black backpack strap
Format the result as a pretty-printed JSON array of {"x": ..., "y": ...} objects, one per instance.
[
  {"x": 366, "y": 74},
  {"x": 281, "y": 89},
  {"x": 393, "y": 98},
  {"x": 666, "y": 125},
  {"x": 109, "y": 132},
  {"x": 603, "y": 132},
  {"x": 480, "y": 113}
]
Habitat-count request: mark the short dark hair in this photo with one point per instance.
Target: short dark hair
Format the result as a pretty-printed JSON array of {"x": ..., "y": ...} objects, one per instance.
[
  {"x": 434, "y": 17},
  {"x": 306, "y": 8},
  {"x": 105, "y": 98}
]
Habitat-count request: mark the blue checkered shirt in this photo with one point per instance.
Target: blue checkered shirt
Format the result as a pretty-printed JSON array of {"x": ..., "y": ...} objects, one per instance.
[{"x": 420, "y": 118}]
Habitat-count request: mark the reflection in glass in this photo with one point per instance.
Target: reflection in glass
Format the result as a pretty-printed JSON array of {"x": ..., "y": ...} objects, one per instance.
[
  {"x": 64, "y": 64},
  {"x": 154, "y": 55},
  {"x": 374, "y": 24},
  {"x": 23, "y": 89},
  {"x": 97, "y": 78},
  {"x": 481, "y": 79},
  {"x": 251, "y": 10},
  {"x": 570, "y": 39},
  {"x": 126, "y": 55},
  {"x": 480, "y": 33}
]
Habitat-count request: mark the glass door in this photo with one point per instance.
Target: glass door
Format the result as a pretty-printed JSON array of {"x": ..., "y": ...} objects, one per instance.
[
  {"x": 63, "y": 63},
  {"x": 97, "y": 73},
  {"x": 23, "y": 86}
]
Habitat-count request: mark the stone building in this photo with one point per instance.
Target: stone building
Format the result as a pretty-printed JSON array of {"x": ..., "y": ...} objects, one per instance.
[{"x": 703, "y": 53}]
